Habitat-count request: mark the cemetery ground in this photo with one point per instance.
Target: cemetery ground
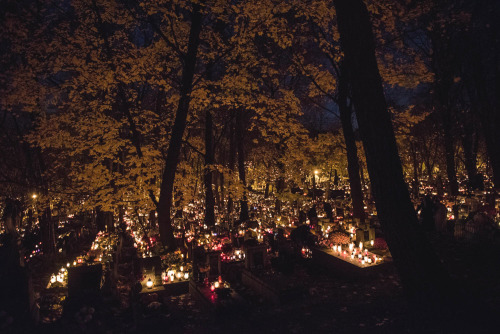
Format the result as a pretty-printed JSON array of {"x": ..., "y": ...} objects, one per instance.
[{"x": 331, "y": 302}]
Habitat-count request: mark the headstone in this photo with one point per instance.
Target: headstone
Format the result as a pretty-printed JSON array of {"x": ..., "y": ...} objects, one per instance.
[
  {"x": 365, "y": 234},
  {"x": 328, "y": 209},
  {"x": 312, "y": 214},
  {"x": 256, "y": 257},
  {"x": 360, "y": 235},
  {"x": 339, "y": 211},
  {"x": 371, "y": 233},
  {"x": 473, "y": 203},
  {"x": 455, "y": 210},
  {"x": 84, "y": 280},
  {"x": 150, "y": 267},
  {"x": 16, "y": 288},
  {"x": 269, "y": 240},
  {"x": 302, "y": 217},
  {"x": 214, "y": 263},
  {"x": 337, "y": 193}
]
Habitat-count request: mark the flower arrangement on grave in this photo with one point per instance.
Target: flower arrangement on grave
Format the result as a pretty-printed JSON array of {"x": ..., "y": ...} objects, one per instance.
[
  {"x": 339, "y": 238},
  {"x": 379, "y": 243},
  {"x": 176, "y": 268},
  {"x": 171, "y": 259}
]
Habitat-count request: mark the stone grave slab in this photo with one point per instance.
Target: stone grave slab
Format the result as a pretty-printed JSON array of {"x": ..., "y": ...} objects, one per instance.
[
  {"x": 256, "y": 257},
  {"x": 273, "y": 286},
  {"x": 343, "y": 265},
  {"x": 212, "y": 302}
]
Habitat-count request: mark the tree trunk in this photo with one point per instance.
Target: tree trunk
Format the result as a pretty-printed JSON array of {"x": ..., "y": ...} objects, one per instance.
[
  {"x": 241, "y": 164},
  {"x": 483, "y": 79},
  {"x": 47, "y": 231},
  {"x": 469, "y": 152},
  {"x": 174, "y": 147},
  {"x": 314, "y": 185},
  {"x": 490, "y": 120},
  {"x": 442, "y": 66},
  {"x": 416, "y": 169},
  {"x": 152, "y": 218},
  {"x": 12, "y": 217},
  {"x": 30, "y": 221},
  {"x": 121, "y": 218},
  {"x": 218, "y": 187},
  {"x": 493, "y": 149},
  {"x": 232, "y": 162},
  {"x": 449, "y": 148},
  {"x": 280, "y": 185},
  {"x": 491, "y": 138},
  {"x": 352, "y": 150},
  {"x": 110, "y": 222},
  {"x": 208, "y": 175},
  {"x": 422, "y": 275},
  {"x": 496, "y": 123},
  {"x": 104, "y": 220}
]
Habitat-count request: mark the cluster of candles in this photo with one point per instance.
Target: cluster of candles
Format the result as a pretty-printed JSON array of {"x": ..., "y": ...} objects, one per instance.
[
  {"x": 171, "y": 275},
  {"x": 61, "y": 276},
  {"x": 98, "y": 243},
  {"x": 358, "y": 254},
  {"x": 35, "y": 252},
  {"x": 235, "y": 255},
  {"x": 306, "y": 253},
  {"x": 218, "y": 284}
]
